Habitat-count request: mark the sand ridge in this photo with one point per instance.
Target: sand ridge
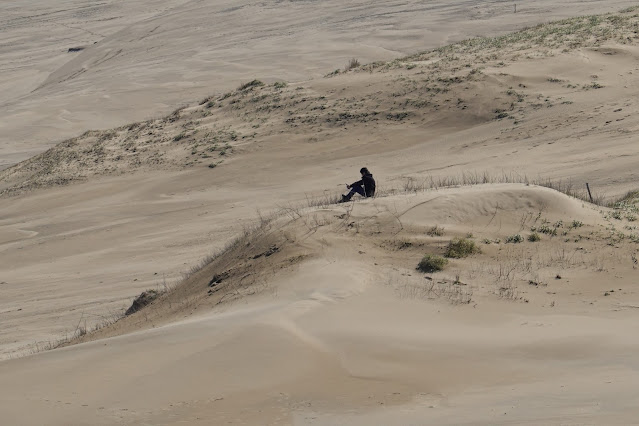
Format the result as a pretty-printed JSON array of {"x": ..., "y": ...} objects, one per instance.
[{"x": 296, "y": 335}]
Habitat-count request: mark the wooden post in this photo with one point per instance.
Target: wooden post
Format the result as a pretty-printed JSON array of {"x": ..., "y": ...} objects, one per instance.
[{"x": 589, "y": 193}]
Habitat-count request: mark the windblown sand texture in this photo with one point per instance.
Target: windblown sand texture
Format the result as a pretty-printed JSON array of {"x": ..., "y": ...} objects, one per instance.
[
  {"x": 142, "y": 59},
  {"x": 272, "y": 304}
]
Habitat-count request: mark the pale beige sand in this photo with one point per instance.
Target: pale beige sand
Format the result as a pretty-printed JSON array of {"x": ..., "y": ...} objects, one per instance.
[
  {"x": 145, "y": 58},
  {"x": 88, "y": 248},
  {"x": 336, "y": 327}
]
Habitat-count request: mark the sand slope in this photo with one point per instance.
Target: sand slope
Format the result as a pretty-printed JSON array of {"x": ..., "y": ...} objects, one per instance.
[
  {"x": 316, "y": 314},
  {"x": 150, "y": 206},
  {"x": 336, "y": 326},
  {"x": 143, "y": 59}
]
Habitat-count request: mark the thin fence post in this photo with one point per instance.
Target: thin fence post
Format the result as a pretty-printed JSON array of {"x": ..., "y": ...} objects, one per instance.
[{"x": 589, "y": 193}]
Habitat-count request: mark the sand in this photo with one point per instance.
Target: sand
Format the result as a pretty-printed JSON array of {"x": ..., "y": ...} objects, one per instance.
[
  {"x": 321, "y": 317},
  {"x": 336, "y": 326},
  {"x": 144, "y": 59}
]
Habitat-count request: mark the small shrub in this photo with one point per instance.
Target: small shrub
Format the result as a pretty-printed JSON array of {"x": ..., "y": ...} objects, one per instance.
[
  {"x": 280, "y": 84},
  {"x": 576, "y": 224},
  {"x": 179, "y": 137},
  {"x": 212, "y": 165},
  {"x": 534, "y": 237},
  {"x": 435, "y": 231},
  {"x": 432, "y": 263},
  {"x": 514, "y": 239},
  {"x": 461, "y": 247}
]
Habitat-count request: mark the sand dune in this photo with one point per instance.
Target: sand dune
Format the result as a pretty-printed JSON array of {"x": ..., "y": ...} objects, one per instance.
[
  {"x": 312, "y": 312},
  {"x": 143, "y": 59},
  {"x": 336, "y": 326},
  {"x": 148, "y": 214}
]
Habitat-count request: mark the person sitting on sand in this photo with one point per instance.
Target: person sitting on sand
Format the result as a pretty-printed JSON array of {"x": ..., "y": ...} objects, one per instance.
[{"x": 364, "y": 187}]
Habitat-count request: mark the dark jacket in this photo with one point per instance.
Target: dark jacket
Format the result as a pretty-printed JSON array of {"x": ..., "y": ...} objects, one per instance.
[{"x": 369, "y": 184}]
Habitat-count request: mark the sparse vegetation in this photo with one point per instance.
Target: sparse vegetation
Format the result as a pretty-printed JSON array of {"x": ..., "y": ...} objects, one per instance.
[
  {"x": 435, "y": 231},
  {"x": 250, "y": 85},
  {"x": 144, "y": 299},
  {"x": 352, "y": 64},
  {"x": 432, "y": 263},
  {"x": 534, "y": 237},
  {"x": 514, "y": 239},
  {"x": 461, "y": 247}
]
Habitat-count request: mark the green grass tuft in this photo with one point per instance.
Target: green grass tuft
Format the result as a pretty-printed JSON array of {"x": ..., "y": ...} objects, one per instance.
[
  {"x": 534, "y": 237},
  {"x": 461, "y": 247},
  {"x": 432, "y": 263}
]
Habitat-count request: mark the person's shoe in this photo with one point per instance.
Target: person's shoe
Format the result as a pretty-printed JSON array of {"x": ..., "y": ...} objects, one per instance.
[{"x": 344, "y": 199}]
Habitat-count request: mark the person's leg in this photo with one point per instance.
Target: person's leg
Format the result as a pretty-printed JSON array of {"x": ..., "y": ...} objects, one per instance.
[
  {"x": 355, "y": 189},
  {"x": 358, "y": 189}
]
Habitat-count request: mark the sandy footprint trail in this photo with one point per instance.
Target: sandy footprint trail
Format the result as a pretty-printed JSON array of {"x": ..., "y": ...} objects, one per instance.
[{"x": 335, "y": 325}]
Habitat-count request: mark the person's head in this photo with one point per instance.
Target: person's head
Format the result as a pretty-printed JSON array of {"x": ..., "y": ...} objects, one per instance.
[{"x": 364, "y": 171}]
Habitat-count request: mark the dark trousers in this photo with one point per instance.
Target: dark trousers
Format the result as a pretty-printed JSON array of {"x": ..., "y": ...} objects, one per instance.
[{"x": 356, "y": 189}]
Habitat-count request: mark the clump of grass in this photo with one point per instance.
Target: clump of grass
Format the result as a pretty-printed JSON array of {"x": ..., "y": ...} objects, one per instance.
[
  {"x": 534, "y": 237},
  {"x": 514, "y": 239},
  {"x": 250, "y": 85},
  {"x": 593, "y": 85},
  {"x": 280, "y": 84},
  {"x": 435, "y": 231},
  {"x": 353, "y": 63},
  {"x": 576, "y": 224},
  {"x": 461, "y": 247},
  {"x": 545, "y": 229},
  {"x": 500, "y": 114},
  {"x": 179, "y": 137},
  {"x": 432, "y": 263}
]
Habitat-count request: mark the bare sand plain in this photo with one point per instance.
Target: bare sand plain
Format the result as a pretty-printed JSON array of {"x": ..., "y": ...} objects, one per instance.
[{"x": 318, "y": 316}]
